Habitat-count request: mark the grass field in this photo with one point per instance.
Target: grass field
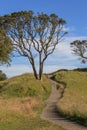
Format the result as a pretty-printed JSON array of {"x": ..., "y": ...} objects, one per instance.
[
  {"x": 73, "y": 104},
  {"x": 21, "y": 102}
]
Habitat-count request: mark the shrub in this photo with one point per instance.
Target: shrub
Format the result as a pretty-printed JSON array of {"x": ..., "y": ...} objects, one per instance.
[{"x": 2, "y": 76}]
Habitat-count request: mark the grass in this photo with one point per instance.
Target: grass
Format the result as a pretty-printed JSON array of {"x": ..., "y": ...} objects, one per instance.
[
  {"x": 24, "y": 86},
  {"x": 21, "y": 102},
  {"x": 73, "y": 104},
  {"x": 28, "y": 124}
]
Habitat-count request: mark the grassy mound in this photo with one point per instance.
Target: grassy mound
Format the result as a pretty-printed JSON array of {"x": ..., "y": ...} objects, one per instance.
[
  {"x": 24, "y": 86},
  {"x": 73, "y": 105},
  {"x": 21, "y": 102}
]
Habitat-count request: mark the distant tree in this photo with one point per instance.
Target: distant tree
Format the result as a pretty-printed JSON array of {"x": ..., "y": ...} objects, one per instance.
[
  {"x": 5, "y": 48},
  {"x": 2, "y": 76},
  {"x": 80, "y": 49},
  {"x": 34, "y": 35}
]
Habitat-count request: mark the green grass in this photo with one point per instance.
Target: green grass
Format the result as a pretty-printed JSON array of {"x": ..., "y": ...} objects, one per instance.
[
  {"x": 21, "y": 102},
  {"x": 28, "y": 124},
  {"x": 73, "y": 104},
  {"x": 23, "y": 86}
]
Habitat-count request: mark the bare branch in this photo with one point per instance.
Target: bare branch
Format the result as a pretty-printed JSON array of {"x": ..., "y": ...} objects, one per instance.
[{"x": 80, "y": 49}]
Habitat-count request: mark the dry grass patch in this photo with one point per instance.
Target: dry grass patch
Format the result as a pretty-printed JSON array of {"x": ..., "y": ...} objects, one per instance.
[{"x": 25, "y": 106}]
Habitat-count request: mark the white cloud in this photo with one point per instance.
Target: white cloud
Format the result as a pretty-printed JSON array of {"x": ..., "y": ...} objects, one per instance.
[
  {"x": 20, "y": 69},
  {"x": 62, "y": 58},
  {"x": 64, "y": 46},
  {"x": 16, "y": 69},
  {"x": 68, "y": 29},
  {"x": 53, "y": 68}
]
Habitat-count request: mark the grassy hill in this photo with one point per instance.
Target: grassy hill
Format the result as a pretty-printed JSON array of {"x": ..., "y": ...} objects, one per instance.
[
  {"x": 21, "y": 102},
  {"x": 24, "y": 86},
  {"x": 73, "y": 104}
]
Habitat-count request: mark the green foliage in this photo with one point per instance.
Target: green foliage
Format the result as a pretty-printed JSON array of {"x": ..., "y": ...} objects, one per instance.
[
  {"x": 80, "y": 49},
  {"x": 2, "y": 76},
  {"x": 5, "y": 48},
  {"x": 34, "y": 35},
  {"x": 73, "y": 105}
]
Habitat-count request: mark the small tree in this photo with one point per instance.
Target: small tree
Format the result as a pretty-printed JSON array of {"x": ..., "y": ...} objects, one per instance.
[
  {"x": 80, "y": 49},
  {"x": 34, "y": 35},
  {"x": 5, "y": 48}
]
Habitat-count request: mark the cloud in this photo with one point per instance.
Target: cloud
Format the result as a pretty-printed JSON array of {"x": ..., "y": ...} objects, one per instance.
[
  {"x": 64, "y": 46},
  {"x": 69, "y": 29},
  {"x": 61, "y": 58},
  {"x": 16, "y": 69},
  {"x": 53, "y": 68},
  {"x": 20, "y": 69}
]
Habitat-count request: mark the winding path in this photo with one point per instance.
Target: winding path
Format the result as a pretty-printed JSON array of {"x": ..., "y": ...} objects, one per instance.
[{"x": 50, "y": 111}]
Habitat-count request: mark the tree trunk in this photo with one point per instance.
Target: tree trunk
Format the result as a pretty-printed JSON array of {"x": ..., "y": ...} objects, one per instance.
[
  {"x": 40, "y": 71},
  {"x": 40, "y": 67},
  {"x": 35, "y": 72},
  {"x": 33, "y": 67}
]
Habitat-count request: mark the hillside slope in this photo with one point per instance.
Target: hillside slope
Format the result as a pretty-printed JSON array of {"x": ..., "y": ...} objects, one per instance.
[
  {"x": 23, "y": 86},
  {"x": 21, "y": 102},
  {"x": 73, "y": 104}
]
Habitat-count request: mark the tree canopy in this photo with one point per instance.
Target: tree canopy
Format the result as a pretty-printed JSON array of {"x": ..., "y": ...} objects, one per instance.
[
  {"x": 80, "y": 49},
  {"x": 34, "y": 35},
  {"x": 5, "y": 48}
]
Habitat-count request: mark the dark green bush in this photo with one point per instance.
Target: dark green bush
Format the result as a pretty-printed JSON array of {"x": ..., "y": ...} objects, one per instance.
[{"x": 2, "y": 76}]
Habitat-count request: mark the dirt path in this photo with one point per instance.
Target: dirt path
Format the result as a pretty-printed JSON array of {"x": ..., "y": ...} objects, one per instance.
[{"x": 50, "y": 111}]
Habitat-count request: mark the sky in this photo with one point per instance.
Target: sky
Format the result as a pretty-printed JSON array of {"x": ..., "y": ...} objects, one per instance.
[{"x": 75, "y": 14}]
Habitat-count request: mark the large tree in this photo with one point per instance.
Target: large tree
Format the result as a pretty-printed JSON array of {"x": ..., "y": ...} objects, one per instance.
[
  {"x": 34, "y": 35},
  {"x": 80, "y": 49},
  {"x": 5, "y": 48}
]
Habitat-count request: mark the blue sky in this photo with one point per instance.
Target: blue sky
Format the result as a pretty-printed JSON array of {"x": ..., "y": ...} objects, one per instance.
[{"x": 73, "y": 11}]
